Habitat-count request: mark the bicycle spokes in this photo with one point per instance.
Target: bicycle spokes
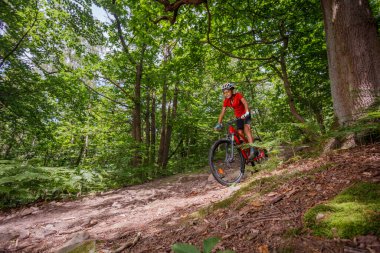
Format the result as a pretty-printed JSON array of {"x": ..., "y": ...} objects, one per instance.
[{"x": 226, "y": 162}]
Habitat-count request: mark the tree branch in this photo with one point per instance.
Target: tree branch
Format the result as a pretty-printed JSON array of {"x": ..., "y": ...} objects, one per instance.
[
  {"x": 223, "y": 51},
  {"x": 121, "y": 37},
  {"x": 174, "y": 7},
  {"x": 259, "y": 42},
  {"x": 175, "y": 150},
  {"x": 46, "y": 72},
  {"x": 278, "y": 72},
  {"x": 19, "y": 42},
  {"x": 117, "y": 85},
  {"x": 102, "y": 95}
]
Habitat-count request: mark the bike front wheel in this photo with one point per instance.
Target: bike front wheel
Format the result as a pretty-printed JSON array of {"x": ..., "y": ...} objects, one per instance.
[{"x": 227, "y": 163}]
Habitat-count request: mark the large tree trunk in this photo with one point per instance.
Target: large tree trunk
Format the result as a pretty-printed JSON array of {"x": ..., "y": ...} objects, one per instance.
[{"x": 354, "y": 56}]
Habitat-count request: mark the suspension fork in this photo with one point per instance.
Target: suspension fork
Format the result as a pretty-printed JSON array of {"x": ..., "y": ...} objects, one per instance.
[{"x": 231, "y": 156}]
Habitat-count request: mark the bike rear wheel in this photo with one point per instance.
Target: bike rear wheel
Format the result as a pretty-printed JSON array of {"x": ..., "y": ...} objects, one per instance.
[{"x": 227, "y": 167}]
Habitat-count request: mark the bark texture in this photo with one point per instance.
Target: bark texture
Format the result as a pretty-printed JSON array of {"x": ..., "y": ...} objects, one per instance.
[
  {"x": 172, "y": 114},
  {"x": 354, "y": 56},
  {"x": 153, "y": 129},
  {"x": 136, "y": 116},
  {"x": 163, "y": 126}
]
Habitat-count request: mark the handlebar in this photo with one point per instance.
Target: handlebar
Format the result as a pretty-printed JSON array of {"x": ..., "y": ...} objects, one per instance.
[{"x": 228, "y": 123}]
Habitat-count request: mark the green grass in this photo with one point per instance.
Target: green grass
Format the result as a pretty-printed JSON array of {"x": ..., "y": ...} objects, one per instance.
[
  {"x": 268, "y": 165},
  {"x": 355, "y": 211},
  {"x": 293, "y": 232}
]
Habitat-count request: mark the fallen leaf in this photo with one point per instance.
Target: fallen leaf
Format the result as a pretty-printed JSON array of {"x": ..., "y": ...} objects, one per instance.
[
  {"x": 263, "y": 248},
  {"x": 257, "y": 203}
]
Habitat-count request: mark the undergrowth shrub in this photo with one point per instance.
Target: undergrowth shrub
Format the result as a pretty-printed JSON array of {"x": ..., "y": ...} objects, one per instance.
[{"x": 22, "y": 183}]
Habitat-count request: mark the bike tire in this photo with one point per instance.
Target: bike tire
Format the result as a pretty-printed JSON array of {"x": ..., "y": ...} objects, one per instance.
[{"x": 232, "y": 167}]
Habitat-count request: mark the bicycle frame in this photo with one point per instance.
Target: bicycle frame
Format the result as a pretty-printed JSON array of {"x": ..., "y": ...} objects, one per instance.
[
  {"x": 233, "y": 136},
  {"x": 239, "y": 139}
]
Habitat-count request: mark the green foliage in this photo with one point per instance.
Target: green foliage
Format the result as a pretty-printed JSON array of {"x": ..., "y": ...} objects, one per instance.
[
  {"x": 21, "y": 184},
  {"x": 366, "y": 129},
  {"x": 208, "y": 245},
  {"x": 293, "y": 232},
  {"x": 351, "y": 213}
]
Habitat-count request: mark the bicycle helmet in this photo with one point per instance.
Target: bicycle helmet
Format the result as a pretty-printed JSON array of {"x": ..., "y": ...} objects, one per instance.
[{"x": 228, "y": 86}]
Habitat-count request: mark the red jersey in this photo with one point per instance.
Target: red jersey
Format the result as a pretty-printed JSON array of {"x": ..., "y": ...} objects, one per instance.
[{"x": 235, "y": 103}]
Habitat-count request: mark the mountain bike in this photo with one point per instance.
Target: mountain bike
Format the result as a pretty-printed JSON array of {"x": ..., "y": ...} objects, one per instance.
[{"x": 228, "y": 156}]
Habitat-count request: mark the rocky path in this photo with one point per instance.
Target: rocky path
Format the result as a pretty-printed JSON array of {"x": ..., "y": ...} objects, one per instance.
[{"x": 45, "y": 227}]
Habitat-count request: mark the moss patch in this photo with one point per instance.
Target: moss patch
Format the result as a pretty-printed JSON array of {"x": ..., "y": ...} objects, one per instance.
[{"x": 355, "y": 211}]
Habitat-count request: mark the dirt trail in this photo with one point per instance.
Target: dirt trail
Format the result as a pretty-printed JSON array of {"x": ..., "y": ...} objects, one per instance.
[
  {"x": 156, "y": 210},
  {"x": 109, "y": 215},
  {"x": 269, "y": 217}
]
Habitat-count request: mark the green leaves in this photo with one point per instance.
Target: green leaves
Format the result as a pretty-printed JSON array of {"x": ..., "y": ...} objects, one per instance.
[
  {"x": 184, "y": 248},
  {"x": 208, "y": 245}
]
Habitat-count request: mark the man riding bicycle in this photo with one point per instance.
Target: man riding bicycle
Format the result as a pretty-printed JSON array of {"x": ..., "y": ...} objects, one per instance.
[{"x": 241, "y": 110}]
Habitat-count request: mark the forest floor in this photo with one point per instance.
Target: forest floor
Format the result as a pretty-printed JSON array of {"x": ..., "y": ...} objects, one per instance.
[{"x": 265, "y": 216}]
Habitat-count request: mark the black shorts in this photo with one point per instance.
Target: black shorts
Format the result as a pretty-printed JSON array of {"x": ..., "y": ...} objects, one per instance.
[{"x": 241, "y": 122}]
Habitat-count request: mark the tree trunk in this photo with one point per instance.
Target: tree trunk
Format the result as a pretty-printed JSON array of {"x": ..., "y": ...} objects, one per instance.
[
  {"x": 153, "y": 129},
  {"x": 136, "y": 116},
  {"x": 163, "y": 126},
  {"x": 319, "y": 117},
  {"x": 353, "y": 55},
  {"x": 172, "y": 116},
  {"x": 285, "y": 79},
  {"x": 147, "y": 128},
  {"x": 163, "y": 140},
  {"x": 83, "y": 150},
  {"x": 283, "y": 74}
]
